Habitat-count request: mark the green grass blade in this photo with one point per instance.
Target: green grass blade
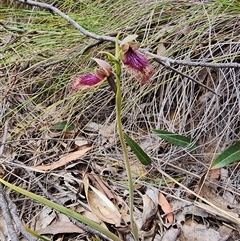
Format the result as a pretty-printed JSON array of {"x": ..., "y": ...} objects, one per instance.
[
  {"x": 175, "y": 139},
  {"x": 228, "y": 156},
  {"x": 36, "y": 234},
  {"x": 62, "y": 209},
  {"x": 138, "y": 151}
]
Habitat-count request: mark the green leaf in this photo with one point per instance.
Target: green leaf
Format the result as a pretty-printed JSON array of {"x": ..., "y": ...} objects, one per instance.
[
  {"x": 228, "y": 156},
  {"x": 62, "y": 209},
  {"x": 63, "y": 125},
  {"x": 36, "y": 234},
  {"x": 138, "y": 151},
  {"x": 175, "y": 139}
]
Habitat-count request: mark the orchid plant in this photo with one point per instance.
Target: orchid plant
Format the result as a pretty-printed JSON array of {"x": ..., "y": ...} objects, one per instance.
[{"x": 126, "y": 54}]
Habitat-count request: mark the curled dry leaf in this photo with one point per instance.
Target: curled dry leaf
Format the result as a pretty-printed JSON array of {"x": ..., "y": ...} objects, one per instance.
[
  {"x": 100, "y": 185},
  {"x": 150, "y": 208},
  {"x": 101, "y": 205}
]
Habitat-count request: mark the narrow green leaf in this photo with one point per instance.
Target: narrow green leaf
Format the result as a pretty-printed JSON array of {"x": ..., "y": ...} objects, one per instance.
[
  {"x": 62, "y": 209},
  {"x": 138, "y": 151},
  {"x": 175, "y": 139},
  {"x": 228, "y": 156},
  {"x": 63, "y": 125}
]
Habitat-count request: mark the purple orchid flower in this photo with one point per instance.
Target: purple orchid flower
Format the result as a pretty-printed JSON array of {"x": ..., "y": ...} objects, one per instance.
[
  {"x": 90, "y": 80},
  {"x": 134, "y": 60}
]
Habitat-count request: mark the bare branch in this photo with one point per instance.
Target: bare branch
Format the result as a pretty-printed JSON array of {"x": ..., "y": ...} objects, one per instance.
[
  {"x": 87, "y": 33},
  {"x": 189, "y": 63},
  {"x": 187, "y": 76},
  {"x": 68, "y": 19}
]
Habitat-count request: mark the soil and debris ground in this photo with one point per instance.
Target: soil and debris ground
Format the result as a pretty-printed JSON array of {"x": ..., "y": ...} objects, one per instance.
[{"x": 53, "y": 142}]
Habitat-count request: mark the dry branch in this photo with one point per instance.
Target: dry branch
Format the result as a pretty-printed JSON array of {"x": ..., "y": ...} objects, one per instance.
[
  {"x": 166, "y": 60},
  {"x": 7, "y": 216}
]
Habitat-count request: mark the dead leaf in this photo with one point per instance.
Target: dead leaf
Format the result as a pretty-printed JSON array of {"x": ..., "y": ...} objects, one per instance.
[
  {"x": 161, "y": 50},
  {"x": 45, "y": 218},
  {"x": 101, "y": 205},
  {"x": 207, "y": 191},
  {"x": 150, "y": 208},
  {"x": 216, "y": 214},
  {"x": 123, "y": 209},
  {"x": 171, "y": 234},
  {"x": 108, "y": 133},
  {"x": 150, "y": 233},
  {"x": 64, "y": 160},
  {"x": 162, "y": 201},
  {"x": 93, "y": 127},
  {"x": 214, "y": 175},
  {"x": 98, "y": 183},
  {"x": 81, "y": 141},
  {"x": 61, "y": 225},
  {"x": 192, "y": 231}
]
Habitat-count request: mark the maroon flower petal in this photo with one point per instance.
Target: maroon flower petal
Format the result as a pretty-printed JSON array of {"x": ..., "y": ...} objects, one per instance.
[
  {"x": 147, "y": 74},
  {"x": 86, "y": 81},
  {"x": 139, "y": 64},
  {"x": 135, "y": 60}
]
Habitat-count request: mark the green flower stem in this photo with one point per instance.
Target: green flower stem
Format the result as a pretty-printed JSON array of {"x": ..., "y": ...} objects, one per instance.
[{"x": 125, "y": 152}]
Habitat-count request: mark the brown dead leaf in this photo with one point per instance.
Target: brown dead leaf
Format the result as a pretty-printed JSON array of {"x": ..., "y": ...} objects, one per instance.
[
  {"x": 207, "y": 188},
  {"x": 214, "y": 175},
  {"x": 90, "y": 215},
  {"x": 123, "y": 209},
  {"x": 161, "y": 50},
  {"x": 150, "y": 208},
  {"x": 61, "y": 225},
  {"x": 162, "y": 201},
  {"x": 101, "y": 205},
  {"x": 100, "y": 185},
  {"x": 64, "y": 160},
  {"x": 212, "y": 212}
]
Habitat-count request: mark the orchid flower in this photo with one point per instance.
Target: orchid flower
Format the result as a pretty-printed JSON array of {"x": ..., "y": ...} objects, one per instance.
[
  {"x": 90, "y": 80},
  {"x": 131, "y": 57}
]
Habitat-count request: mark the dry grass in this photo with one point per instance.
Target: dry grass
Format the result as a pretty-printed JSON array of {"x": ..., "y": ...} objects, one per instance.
[{"x": 40, "y": 53}]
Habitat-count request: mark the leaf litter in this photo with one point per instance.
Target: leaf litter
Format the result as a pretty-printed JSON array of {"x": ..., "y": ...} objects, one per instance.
[{"x": 36, "y": 99}]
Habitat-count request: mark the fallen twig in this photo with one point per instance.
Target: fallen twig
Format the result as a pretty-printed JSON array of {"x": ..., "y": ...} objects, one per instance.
[
  {"x": 17, "y": 220},
  {"x": 87, "y": 33},
  {"x": 7, "y": 216}
]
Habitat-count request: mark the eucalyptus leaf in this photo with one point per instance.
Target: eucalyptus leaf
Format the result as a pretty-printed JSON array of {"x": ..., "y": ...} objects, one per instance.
[
  {"x": 175, "y": 139},
  {"x": 138, "y": 151},
  {"x": 228, "y": 156}
]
